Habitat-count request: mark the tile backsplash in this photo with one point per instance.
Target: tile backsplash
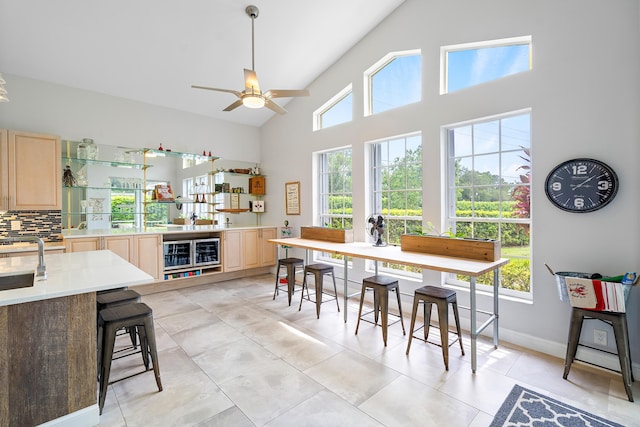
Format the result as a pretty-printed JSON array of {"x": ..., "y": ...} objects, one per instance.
[{"x": 44, "y": 224}]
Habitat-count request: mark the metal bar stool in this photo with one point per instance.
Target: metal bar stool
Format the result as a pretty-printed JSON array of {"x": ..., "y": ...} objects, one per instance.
[
  {"x": 319, "y": 271},
  {"x": 111, "y": 298},
  {"x": 291, "y": 264},
  {"x": 442, "y": 297},
  {"x": 381, "y": 286},
  {"x": 135, "y": 315},
  {"x": 619, "y": 323}
]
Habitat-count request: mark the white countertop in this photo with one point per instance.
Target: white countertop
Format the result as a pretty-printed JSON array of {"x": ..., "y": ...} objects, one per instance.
[
  {"x": 30, "y": 247},
  {"x": 71, "y": 274},
  {"x": 167, "y": 229}
]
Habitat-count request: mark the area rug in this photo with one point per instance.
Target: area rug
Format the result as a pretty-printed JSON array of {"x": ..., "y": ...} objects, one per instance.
[{"x": 524, "y": 407}]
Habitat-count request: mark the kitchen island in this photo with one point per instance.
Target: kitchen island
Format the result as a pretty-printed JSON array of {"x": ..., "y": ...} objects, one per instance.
[{"x": 48, "y": 337}]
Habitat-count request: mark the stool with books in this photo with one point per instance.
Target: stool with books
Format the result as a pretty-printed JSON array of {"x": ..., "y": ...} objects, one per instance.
[{"x": 603, "y": 300}]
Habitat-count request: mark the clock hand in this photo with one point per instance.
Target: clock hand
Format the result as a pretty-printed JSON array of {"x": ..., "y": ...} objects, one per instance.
[{"x": 584, "y": 182}]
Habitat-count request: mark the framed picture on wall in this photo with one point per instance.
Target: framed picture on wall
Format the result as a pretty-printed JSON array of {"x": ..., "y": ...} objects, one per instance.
[{"x": 292, "y": 197}]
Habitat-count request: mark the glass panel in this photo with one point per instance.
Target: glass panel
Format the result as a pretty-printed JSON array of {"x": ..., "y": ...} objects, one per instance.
[
  {"x": 397, "y": 83},
  {"x": 486, "y": 137},
  {"x": 340, "y": 112},
  {"x": 486, "y": 169},
  {"x": 461, "y": 141},
  {"x": 516, "y": 132}
]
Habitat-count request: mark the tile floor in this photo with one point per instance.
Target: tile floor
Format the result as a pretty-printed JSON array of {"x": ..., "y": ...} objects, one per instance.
[{"x": 231, "y": 356}]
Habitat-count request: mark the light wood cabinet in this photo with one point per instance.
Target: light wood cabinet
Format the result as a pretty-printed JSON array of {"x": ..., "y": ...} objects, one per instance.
[
  {"x": 143, "y": 250},
  {"x": 30, "y": 171},
  {"x": 249, "y": 248},
  {"x": 148, "y": 254}
]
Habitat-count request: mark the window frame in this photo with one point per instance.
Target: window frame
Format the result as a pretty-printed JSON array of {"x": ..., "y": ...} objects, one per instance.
[
  {"x": 445, "y": 50},
  {"x": 449, "y": 209},
  {"x": 375, "y": 68},
  {"x": 327, "y": 106}
]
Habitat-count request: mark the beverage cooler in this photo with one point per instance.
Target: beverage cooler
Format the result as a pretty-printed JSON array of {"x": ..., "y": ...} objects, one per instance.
[{"x": 181, "y": 254}]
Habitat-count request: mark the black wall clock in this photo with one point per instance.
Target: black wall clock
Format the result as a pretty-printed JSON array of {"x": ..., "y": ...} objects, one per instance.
[{"x": 581, "y": 185}]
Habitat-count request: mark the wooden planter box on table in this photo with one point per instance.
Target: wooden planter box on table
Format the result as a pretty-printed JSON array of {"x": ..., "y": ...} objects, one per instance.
[
  {"x": 327, "y": 234},
  {"x": 482, "y": 250}
]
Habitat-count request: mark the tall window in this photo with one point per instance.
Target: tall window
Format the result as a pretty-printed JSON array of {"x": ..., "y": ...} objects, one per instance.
[
  {"x": 488, "y": 181},
  {"x": 470, "y": 64},
  {"x": 334, "y": 185},
  {"x": 396, "y": 187},
  {"x": 394, "y": 81},
  {"x": 197, "y": 188},
  {"x": 337, "y": 110}
]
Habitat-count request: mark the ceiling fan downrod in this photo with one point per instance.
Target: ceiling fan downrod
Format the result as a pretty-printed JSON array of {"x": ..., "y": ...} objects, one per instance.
[{"x": 252, "y": 11}]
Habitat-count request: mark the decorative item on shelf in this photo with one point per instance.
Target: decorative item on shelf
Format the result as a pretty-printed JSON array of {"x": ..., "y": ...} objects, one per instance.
[
  {"x": 235, "y": 200},
  {"x": 161, "y": 148},
  {"x": 164, "y": 193},
  {"x": 257, "y": 185},
  {"x": 226, "y": 187},
  {"x": 256, "y": 205},
  {"x": 210, "y": 154},
  {"x": 68, "y": 178},
  {"x": 375, "y": 229},
  {"x": 81, "y": 178},
  {"x": 92, "y": 148},
  {"x": 81, "y": 151},
  {"x": 256, "y": 170}
]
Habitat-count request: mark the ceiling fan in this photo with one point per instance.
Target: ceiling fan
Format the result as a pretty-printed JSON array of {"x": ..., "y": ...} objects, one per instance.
[{"x": 251, "y": 96}]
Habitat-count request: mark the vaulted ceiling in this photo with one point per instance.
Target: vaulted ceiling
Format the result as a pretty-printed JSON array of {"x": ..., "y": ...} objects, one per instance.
[{"x": 153, "y": 51}]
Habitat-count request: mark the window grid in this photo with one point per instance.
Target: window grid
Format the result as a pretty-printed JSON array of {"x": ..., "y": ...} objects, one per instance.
[{"x": 488, "y": 191}]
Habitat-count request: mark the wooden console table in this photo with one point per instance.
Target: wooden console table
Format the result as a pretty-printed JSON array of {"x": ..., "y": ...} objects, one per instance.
[{"x": 394, "y": 254}]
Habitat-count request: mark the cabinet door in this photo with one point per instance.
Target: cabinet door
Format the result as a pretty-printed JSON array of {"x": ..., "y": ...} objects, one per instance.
[
  {"x": 148, "y": 250},
  {"x": 268, "y": 255},
  {"x": 251, "y": 248},
  {"x": 35, "y": 172},
  {"x": 82, "y": 244},
  {"x": 121, "y": 246},
  {"x": 232, "y": 250}
]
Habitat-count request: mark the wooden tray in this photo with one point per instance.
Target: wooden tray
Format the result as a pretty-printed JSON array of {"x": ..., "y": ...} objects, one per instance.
[
  {"x": 482, "y": 250},
  {"x": 327, "y": 234},
  {"x": 233, "y": 210}
]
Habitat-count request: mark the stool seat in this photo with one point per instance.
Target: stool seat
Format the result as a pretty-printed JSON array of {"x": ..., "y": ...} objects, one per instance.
[
  {"x": 133, "y": 315},
  {"x": 618, "y": 321},
  {"x": 107, "y": 299},
  {"x": 318, "y": 270},
  {"x": 442, "y": 297},
  {"x": 381, "y": 286},
  {"x": 291, "y": 264}
]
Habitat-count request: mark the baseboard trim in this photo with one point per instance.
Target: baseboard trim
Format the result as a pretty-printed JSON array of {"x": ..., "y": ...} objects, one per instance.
[{"x": 89, "y": 416}]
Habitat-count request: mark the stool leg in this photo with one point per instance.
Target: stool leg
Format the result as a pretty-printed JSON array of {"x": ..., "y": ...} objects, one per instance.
[
  {"x": 335, "y": 290},
  {"x": 413, "y": 322},
  {"x": 360, "y": 309},
  {"x": 151, "y": 342},
  {"x": 376, "y": 305},
  {"x": 275, "y": 291},
  {"x": 443, "y": 319},
  {"x": 427, "y": 319},
  {"x": 620, "y": 332},
  {"x": 291, "y": 280},
  {"x": 144, "y": 346},
  {"x": 109, "y": 336},
  {"x": 400, "y": 311},
  {"x": 318, "y": 279},
  {"x": 305, "y": 285},
  {"x": 574, "y": 336},
  {"x": 384, "y": 308},
  {"x": 454, "y": 304}
]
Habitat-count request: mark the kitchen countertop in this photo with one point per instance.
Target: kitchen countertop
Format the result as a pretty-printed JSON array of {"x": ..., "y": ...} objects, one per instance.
[
  {"x": 30, "y": 247},
  {"x": 166, "y": 229},
  {"x": 71, "y": 274}
]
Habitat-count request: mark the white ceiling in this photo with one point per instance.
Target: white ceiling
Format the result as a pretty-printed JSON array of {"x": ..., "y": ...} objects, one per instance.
[{"x": 154, "y": 50}]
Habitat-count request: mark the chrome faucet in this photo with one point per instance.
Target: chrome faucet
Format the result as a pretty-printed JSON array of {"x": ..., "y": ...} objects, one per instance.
[{"x": 41, "y": 269}]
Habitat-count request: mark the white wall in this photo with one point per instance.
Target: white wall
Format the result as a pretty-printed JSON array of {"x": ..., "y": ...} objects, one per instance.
[{"x": 584, "y": 94}]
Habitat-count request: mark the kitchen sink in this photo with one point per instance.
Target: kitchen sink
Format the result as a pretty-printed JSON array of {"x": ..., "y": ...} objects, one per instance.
[{"x": 15, "y": 281}]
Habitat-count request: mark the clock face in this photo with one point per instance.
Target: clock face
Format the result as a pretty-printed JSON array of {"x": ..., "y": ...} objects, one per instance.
[{"x": 581, "y": 185}]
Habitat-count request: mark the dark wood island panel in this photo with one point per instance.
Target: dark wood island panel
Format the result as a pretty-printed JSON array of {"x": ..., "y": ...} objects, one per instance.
[{"x": 47, "y": 359}]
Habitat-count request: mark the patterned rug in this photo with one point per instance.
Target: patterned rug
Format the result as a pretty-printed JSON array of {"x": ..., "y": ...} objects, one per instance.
[{"x": 524, "y": 407}]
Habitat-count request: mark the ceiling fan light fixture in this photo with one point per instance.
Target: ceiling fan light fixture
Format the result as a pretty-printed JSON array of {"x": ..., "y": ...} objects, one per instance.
[{"x": 253, "y": 101}]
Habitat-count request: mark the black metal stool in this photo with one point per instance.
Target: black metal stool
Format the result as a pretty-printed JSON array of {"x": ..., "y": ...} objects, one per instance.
[
  {"x": 442, "y": 297},
  {"x": 291, "y": 264},
  {"x": 619, "y": 323},
  {"x": 135, "y": 315},
  {"x": 110, "y": 298},
  {"x": 319, "y": 271},
  {"x": 381, "y": 286}
]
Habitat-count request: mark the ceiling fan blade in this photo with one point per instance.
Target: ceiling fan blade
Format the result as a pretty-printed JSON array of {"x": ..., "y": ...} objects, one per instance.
[
  {"x": 234, "y": 105},
  {"x": 251, "y": 81},
  {"x": 279, "y": 93},
  {"x": 273, "y": 106},
  {"x": 235, "y": 92}
]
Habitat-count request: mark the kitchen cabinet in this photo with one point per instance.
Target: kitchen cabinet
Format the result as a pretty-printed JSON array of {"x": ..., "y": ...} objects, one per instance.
[
  {"x": 248, "y": 248},
  {"x": 29, "y": 171},
  {"x": 148, "y": 254},
  {"x": 143, "y": 250}
]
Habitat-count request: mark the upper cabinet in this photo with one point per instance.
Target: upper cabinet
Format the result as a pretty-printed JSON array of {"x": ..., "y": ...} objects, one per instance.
[{"x": 30, "y": 171}]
